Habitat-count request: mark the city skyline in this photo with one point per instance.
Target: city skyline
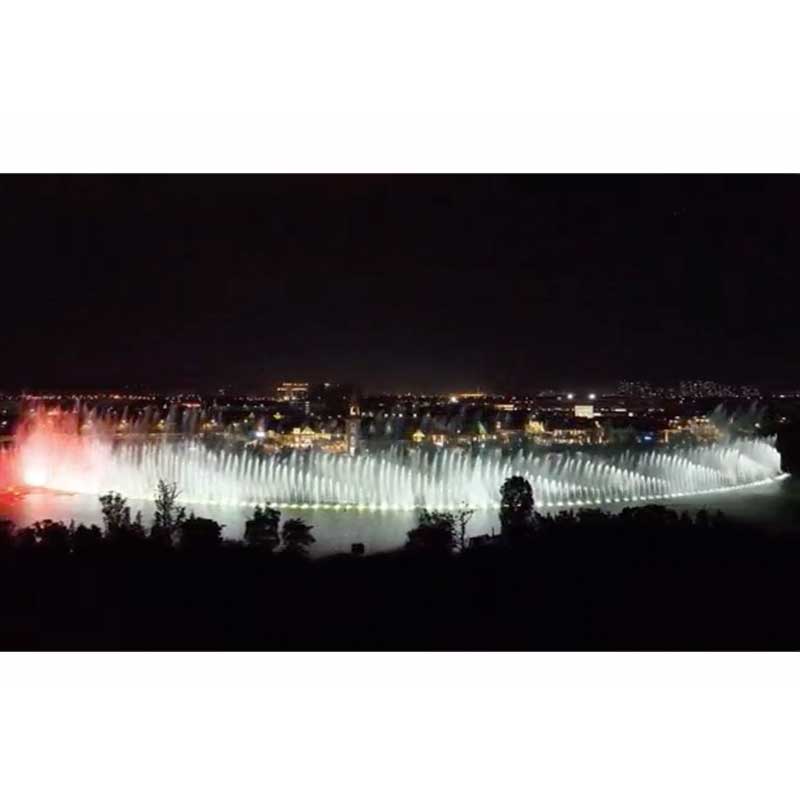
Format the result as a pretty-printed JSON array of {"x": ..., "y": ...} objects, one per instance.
[{"x": 275, "y": 389}]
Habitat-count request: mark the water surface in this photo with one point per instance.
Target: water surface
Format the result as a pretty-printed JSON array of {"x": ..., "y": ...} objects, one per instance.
[{"x": 775, "y": 507}]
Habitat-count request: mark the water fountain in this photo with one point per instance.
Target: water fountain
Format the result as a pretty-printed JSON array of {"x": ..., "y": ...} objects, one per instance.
[{"x": 75, "y": 453}]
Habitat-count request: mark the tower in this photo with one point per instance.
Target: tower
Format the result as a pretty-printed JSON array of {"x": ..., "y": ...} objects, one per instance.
[{"x": 353, "y": 429}]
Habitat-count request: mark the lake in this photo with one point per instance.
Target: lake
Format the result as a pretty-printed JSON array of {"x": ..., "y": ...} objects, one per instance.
[{"x": 775, "y": 507}]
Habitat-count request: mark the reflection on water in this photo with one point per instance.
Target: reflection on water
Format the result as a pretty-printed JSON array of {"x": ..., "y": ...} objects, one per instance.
[{"x": 775, "y": 506}]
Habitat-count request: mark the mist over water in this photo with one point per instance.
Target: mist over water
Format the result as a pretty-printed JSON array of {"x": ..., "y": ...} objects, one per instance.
[{"x": 54, "y": 453}]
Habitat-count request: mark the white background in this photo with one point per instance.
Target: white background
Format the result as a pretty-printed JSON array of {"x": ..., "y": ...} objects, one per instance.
[
  {"x": 399, "y": 725},
  {"x": 412, "y": 86}
]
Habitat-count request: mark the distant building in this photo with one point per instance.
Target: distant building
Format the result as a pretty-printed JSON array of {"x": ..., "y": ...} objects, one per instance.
[
  {"x": 288, "y": 392},
  {"x": 534, "y": 426},
  {"x": 578, "y": 430},
  {"x": 641, "y": 389},
  {"x": 476, "y": 395},
  {"x": 585, "y": 411},
  {"x": 301, "y": 438}
]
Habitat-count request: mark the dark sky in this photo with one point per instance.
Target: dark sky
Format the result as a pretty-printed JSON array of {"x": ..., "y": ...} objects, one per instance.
[{"x": 397, "y": 282}]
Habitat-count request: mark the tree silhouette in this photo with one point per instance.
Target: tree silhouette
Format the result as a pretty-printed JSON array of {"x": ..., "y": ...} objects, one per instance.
[
  {"x": 25, "y": 540},
  {"x": 435, "y": 532},
  {"x": 86, "y": 539},
  {"x": 462, "y": 517},
  {"x": 570, "y": 589},
  {"x": 51, "y": 536},
  {"x": 297, "y": 538},
  {"x": 200, "y": 535},
  {"x": 6, "y": 534},
  {"x": 169, "y": 516},
  {"x": 136, "y": 529},
  {"x": 116, "y": 513},
  {"x": 516, "y": 506},
  {"x": 261, "y": 531}
]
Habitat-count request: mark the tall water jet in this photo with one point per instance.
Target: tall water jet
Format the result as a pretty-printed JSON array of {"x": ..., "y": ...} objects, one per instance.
[{"x": 73, "y": 452}]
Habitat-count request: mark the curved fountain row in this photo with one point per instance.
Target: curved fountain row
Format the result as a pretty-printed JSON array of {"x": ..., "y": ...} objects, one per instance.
[{"x": 392, "y": 479}]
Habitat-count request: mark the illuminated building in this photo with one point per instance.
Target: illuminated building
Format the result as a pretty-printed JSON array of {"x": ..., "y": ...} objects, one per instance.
[
  {"x": 585, "y": 411},
  {"x": 578, "y": 430},
  {"x": 534, "y": 426},
  {"x": 353, "y": 430},
  {"x": 301, "y": 438},
  {"x": 476, "y": 395},
  {"x": 288, "y": 392}
]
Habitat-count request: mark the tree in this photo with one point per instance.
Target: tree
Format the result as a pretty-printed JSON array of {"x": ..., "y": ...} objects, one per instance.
[
  {"x": 136, "y": 529},
  {"x": 516, "y": 506},
  {"x": 86, "y": 539},
  {"x": 435, "y": 532},
  {"x": 261, "y": 531},
  {"x": 25, "y": 540},
  {"x": 169, "y": 515},
  {"x": 462, "y": 517},
  {"x": 117, "y": 518},
  {"x": 51, "y": 536},
  {"x": 200, "y": 535},
  {"x": 116, "y": 513},
  {"x": 6, "y": 534},
  {"x": 297, "y": 538}
]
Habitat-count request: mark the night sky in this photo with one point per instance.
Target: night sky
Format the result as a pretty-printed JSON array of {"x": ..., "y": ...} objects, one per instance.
[{"x": 427, "y": 283}]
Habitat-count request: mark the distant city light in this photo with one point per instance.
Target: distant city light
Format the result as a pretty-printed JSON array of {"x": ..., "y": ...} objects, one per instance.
[
  {"x": 592, "y": 396},
  {"x": 570, "y": 396}
]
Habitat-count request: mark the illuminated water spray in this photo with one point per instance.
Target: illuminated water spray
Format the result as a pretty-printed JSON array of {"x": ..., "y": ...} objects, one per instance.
[{"x": 55, "y": 456}]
